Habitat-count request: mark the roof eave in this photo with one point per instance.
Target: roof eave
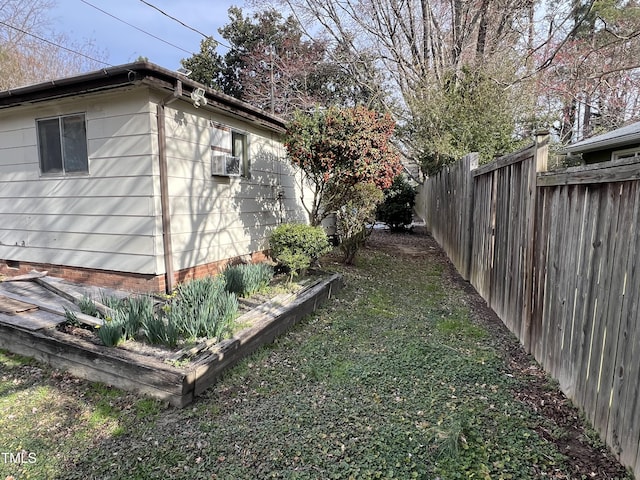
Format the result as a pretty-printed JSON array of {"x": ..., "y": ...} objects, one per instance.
[
  {"x": 607, "y": 144},
  {"x": 133, "y": 74}
]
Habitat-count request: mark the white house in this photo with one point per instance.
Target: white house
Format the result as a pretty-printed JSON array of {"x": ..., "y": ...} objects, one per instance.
[{"x": 135, "y": 176}]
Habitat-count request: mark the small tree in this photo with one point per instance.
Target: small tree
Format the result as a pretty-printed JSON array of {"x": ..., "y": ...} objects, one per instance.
[
  {"x": 358, "y": 209},
  {"x": 397, "y": 208},
  {"x": 338, "y": 149}
]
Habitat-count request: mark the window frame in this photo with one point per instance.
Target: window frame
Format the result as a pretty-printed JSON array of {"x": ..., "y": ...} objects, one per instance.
[
  {"x": 226, "y": 150},
  {"x": 625, "y": 154},
  {"x": 245, "y": 170},
  {"x": 63, "y": 172}
]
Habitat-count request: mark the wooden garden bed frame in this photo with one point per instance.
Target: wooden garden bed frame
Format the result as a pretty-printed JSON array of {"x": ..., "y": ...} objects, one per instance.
[{"x": 152, "y": 377}]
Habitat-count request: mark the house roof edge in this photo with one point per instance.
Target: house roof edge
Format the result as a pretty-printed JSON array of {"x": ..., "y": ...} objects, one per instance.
[
  {"x": 620, "y": 137},
  {"x": 131, "y": 74}
]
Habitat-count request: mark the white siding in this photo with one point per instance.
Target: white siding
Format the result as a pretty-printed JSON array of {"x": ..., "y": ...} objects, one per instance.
[
  {"x": 215, "y": 218},
  {"x": 108, "y": 219},
  {"x": 111, "y": 218}
]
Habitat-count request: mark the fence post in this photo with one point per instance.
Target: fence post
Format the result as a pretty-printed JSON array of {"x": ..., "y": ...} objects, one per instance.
[
  {"x": 539, "y": 164},
  {"x": 471, "y": 163}
]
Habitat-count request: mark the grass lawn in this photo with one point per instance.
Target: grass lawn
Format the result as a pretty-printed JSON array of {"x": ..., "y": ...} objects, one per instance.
[{"x": 402, "y": 375}]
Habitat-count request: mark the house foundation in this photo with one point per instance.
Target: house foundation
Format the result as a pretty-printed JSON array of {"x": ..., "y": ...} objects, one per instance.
[{"x": 128, "y": 281}]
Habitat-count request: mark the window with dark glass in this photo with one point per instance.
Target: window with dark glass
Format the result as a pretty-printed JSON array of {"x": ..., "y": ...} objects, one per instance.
[
  {"x": 239, "y": 151},
  {"x": 62, "y": 145}
]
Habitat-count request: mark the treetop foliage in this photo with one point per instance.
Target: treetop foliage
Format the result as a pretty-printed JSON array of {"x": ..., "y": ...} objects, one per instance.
[
  {"x": 272, "y": 65},
  {"x": 352, "y": 143},
  {"x": 206, "y": 66},
  {"x": 471, "y": 113},
  {"x": 568, "y": 66}
]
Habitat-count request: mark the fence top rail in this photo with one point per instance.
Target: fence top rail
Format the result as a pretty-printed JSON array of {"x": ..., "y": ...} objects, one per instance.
[
  {"x": 612, "y": 171},
  {"x": 519, "y": 156}
]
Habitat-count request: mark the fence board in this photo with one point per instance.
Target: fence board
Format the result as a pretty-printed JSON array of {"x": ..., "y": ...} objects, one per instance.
[
  {"x": 624, "y": 424},
  {"x": 613, "y": 292},
  {"x": 568, "y": 280},
  {"x": 615, "y": 347},
  {"x": 557, "y": 325},
  {"x": 606, "y": 172},
  {"x": 578, "y": 232},
  {"x": 482, "y": 235},
  {"x": 551, "y": 279},
  {"x": 539, "y": 270},
  {"x": 500, "y": 215},
  {"x": 585, "y": 269},
  {"x": 598, "y": 341}
]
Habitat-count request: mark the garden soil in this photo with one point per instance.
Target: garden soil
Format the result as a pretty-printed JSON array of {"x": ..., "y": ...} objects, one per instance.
[{"x": 586, "y": 460}]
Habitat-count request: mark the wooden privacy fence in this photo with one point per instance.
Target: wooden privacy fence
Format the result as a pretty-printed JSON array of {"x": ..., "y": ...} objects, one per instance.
[
  {"x": 448, "y": 197},
  {"x": 557, "y": 256}
]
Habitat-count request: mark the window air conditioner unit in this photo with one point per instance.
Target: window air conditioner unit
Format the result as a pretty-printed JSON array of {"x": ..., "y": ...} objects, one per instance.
[{"x": 225, "y": 165}]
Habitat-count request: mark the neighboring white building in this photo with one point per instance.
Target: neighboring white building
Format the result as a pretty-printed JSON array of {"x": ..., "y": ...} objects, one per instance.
[{"x": 136, "y": 176}]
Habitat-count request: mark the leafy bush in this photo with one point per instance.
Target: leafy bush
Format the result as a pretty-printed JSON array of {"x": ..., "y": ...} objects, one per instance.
[
  {"x": 202, "y": 308},
  {"x": 338, "y": 148},
  {"x": 246, "y": 279},
  {"x": 358, "y": 210},
  {"x": 397, "y": 208},
  {"x": 297, "y": 246}
]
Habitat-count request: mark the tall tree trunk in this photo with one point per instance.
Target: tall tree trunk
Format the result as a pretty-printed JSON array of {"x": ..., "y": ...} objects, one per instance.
[{"x": 482, "y": 31}]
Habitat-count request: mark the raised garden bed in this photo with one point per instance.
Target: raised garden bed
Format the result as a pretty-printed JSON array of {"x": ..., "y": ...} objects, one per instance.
[{"x": 191, "y": 370}]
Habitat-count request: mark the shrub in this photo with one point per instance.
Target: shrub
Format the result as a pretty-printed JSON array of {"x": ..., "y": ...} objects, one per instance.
[
  {"x": 358, "y": 210},
  {"x": 397, "y": 208},
  {"x": 202, "y": 308},
  {"x": 297, "y": 246},
  {"x": 246, "y": 279}
]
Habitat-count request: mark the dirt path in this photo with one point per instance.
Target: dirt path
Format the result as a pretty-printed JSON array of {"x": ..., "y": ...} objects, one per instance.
[{"x": 586, "y": 460}]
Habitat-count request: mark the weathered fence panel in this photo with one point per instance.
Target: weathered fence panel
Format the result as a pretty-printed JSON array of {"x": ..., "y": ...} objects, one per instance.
[
  {"x": 557, "y": 256},
  {"x": 585, "y": 322},
  {"x": 444, "y": 202},
  {"x": 502, "y": 226}
]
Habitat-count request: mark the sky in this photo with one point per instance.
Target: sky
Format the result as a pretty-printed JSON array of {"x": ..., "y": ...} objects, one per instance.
[{"x": 119, "y": 43}]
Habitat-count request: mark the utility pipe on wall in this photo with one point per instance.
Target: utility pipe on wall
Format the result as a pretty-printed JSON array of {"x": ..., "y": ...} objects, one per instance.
[{"x": 164, "y": 186}]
